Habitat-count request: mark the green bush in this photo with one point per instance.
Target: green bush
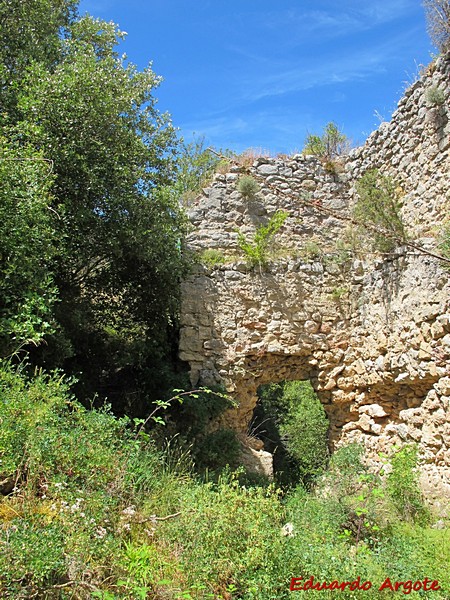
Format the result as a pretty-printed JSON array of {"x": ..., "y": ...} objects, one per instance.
[
  {"x": 194, "y": 415},
  {"x": 216, "y": 450},
  {"x": 248, "y": 186},
  {"x": 33, "y": 549},
  {"x": 257, "y": 251},
  {"x": 48, "y": 436},
  {"x": 304, "y": 428},
  {"x": 403, "y": 485},
  {"x": 230, "y": 537},
  {"x": 378, "y": 211},
  {"x": 339, "y": 292},
  {"x": 435, "y": 96},
  {"x": 444, "y": 240},
  {"x": 212, "y": 257},
  {"x": 292, "y": 422},
  {"x": 331, "y": 144},
  {"x": 311, "y": 250}
]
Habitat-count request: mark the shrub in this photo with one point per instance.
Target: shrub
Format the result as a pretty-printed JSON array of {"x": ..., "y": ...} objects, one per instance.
[
  {"x": 339, "y": 292},
  {"x": 305, "y": 429},
  {"x": 199, "y": 409},
  {"x": 212, "y": 257},
  {"x": 228, "y": 537},
  {"x": 444, "y": 240},
  {"x": 292, "y": 420},
  {"x": 34, "y": 549},
  {"x": 331, "y": 144},
  {"x": 248, "y": 186},
  {"x": 435, "y": 96},
  {"x": 345, "y": 473},
  {"x": 257, "y": 251},
  {"x": 311, "y": 250},
  {"x": 378, "y": 211},
  {"x": 403, "y": 485},
  {"x": 69, "y": 469},
  {"x": 217, "y": 449},
  {"x": 46, "y": 434}
]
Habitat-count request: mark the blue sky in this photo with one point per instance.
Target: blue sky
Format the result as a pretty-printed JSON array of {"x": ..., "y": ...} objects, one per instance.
[{"x": 264, "y": 74}]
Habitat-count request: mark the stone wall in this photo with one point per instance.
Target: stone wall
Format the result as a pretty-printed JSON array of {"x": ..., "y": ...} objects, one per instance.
[{"x": 372, "y": 333}]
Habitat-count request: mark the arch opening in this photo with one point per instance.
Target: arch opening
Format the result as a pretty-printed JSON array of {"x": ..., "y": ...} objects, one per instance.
[{"x": 292, "y": 424}]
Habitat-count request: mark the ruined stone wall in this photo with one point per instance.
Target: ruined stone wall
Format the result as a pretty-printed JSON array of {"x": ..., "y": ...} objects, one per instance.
[{"x": 372, "y": 332}]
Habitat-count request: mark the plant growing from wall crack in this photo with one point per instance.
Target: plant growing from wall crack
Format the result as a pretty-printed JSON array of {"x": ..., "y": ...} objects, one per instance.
[
  {"x": 257, "y": 251},
  {"x": 248, "y": 186},
  {"x": 378, "y": 211},
  {"x": 331, "y": 144}
]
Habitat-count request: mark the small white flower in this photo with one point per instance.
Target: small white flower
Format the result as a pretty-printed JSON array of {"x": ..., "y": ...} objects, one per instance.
[
  {"x": 288, "y": 530},
  {"x": 100, "y": 533},
  {"x": 130, "y": 510}
]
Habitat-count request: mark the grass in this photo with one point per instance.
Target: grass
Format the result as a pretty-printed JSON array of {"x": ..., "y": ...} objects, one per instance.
[
  {"x": 211, "y": 257},
  {"x": 97, "y": 511}
]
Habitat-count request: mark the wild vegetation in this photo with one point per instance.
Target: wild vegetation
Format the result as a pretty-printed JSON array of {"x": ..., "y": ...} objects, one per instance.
[
  {"x": 257, "y": 250},
  {"x": 112, "y": 485},
  {"x": 248, "y": 186},
  {"x": 95, "y": 510},
  {"x": 329, "y": 147},
  {"x": 292, "y": 422},
  {"x": 331, "y": 144},
  {"x": 378, "y": 211}
]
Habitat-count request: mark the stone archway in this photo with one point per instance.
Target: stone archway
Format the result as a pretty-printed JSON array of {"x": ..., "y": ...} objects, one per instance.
[
  {"x": 371, "y": 332},
  {"x": 381, "y": 380}
]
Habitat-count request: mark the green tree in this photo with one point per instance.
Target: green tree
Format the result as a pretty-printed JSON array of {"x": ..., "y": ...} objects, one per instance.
[
  {"x": 195, "y": 167},
  {"x": 30, "y": 31},
  {"x": 27, "y": 288},
  {"x": 119, "y": 225}
]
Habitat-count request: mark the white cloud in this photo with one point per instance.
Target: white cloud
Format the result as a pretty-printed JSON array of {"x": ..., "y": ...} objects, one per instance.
[
  {"x": 344, "y": 66},
  {"x": 349, "y": 17},
  {"x": 270, "y": 130},
  {"x": 299, "y": 79}
]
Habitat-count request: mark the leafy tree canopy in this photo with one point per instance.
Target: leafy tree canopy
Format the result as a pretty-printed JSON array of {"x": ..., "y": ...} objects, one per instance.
[
  {"x": 30, "y": 30},
  {"x": 27, "y": 289},
  {"x": 69, "y": 97}
]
